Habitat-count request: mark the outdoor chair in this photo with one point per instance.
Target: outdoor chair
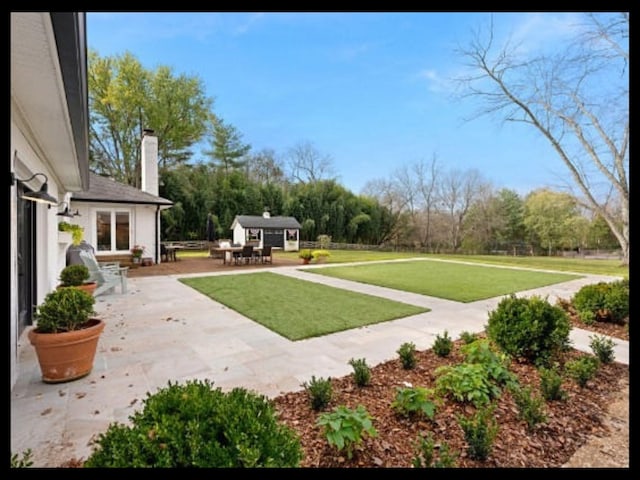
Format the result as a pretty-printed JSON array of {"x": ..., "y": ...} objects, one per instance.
[
  {"x": 265, "y": 256},
  {"x": 107, "y": 277},
  {"x": 246, "y": 255}
]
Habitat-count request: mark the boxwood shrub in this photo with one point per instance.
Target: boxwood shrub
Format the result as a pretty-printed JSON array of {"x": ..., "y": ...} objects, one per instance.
[
  {"x": 529, "y": 328},
  {"x": 195, "y": 425},
  {"x": 603, "y": 301}
]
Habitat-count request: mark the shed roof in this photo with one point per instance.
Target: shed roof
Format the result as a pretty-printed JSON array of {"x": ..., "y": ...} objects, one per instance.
[
  {"x": 258, "y": 221},
  {"x": 106, "y": 190}
]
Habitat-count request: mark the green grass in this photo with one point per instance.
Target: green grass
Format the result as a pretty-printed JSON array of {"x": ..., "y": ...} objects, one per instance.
[
  {"x": 561, "y": 264},
  {"x": 451, "y": 281},
  {"x": 298, "y": 309}
]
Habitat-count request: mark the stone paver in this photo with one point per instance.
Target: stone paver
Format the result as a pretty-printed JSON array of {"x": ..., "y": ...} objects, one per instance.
[{"x": 162, "y": 330}]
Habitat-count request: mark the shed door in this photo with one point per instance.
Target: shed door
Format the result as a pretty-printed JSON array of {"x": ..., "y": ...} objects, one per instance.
[{"x": 274, "y": 237}]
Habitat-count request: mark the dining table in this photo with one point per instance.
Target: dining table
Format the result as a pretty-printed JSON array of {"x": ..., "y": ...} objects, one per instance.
[{"x": 227, "y": 252}]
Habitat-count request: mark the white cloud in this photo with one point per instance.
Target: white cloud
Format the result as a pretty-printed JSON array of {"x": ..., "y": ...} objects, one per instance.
[
  {"x": 435, "y": 82},
  {"x": 541, "y": 31},
  {"x": 248, "y": 23}
]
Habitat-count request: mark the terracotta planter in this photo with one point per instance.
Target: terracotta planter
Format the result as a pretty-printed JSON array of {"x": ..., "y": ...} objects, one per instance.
[
  {"x": 67, "y": 356},
  {"x": 87, "y": 287},
  {"x": 305, "y": 261}
]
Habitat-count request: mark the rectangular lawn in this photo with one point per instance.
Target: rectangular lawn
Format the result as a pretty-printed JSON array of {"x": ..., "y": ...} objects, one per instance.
[
  {"x": 298, "y": 309},
  {"x": 451, "y": 281}
]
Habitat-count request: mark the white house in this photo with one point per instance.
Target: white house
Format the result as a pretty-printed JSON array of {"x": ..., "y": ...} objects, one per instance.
[
  {"x": 49, "y": 152},
  {"x": 49, "y": 165},
  {"x": 279, "y": 232},
  {"x": 115, "y": 217}
]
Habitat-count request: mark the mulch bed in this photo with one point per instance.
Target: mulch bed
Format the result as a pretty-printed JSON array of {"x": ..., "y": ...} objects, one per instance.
[{"x": 569, "y": 424}]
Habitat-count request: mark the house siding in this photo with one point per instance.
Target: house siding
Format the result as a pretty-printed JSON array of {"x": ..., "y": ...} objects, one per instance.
[{"x": 24, "y": 163}]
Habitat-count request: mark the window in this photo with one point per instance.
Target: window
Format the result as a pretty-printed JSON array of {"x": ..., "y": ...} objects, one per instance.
[
  {"x": 112, "y": 230},
  {"x": 253, "y": 234},
  {"x": 292, "y": 235}
]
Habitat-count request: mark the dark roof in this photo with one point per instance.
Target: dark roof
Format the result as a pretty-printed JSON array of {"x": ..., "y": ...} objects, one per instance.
[
  {"x": 103, "y": 189},
  {"x": 258, "y": 221}
]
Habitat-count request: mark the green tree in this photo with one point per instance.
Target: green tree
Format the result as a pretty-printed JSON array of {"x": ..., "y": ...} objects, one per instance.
[
  {"x": 228, "y": 151},
  {"x": 125, "y": 98},
  {"x": 549, "y": 216}
]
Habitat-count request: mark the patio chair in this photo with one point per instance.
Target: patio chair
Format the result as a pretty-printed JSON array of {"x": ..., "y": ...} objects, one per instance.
[
  {"x": 107, "y": 277},
  {"x": 265, "y": 256},
  {"x": 246, "y": 255}
]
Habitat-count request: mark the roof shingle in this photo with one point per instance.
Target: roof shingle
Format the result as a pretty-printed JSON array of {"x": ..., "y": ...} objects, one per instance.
[{"x": 103, "y": 189}]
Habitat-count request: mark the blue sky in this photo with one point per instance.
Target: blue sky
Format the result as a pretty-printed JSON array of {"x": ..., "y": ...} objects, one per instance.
[{"x": 374, "y": 91}]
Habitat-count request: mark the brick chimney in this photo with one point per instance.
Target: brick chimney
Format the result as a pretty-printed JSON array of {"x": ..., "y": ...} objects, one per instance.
[{"x": 149, "y": 177}]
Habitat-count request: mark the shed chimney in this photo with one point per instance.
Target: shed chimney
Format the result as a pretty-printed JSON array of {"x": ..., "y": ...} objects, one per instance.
[{"x": 149, "y": 177}]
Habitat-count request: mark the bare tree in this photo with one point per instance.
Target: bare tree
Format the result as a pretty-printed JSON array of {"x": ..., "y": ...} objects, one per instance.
[
  {"x": 308, "y": 164},
  {"x": 265, "y": 167},
  {"x": 457, "y": 192},
  {"x": 578, "y": 100},
  {"x": 427, "y": 177}
]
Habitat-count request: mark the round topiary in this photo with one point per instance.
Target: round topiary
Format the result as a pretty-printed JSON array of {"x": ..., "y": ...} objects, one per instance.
[
  {"x": 64, "y": 310},
  {"x": 74, "y": 275},
  {"x": 195, "y": 425},
  {"x": 529, "y": 328}
]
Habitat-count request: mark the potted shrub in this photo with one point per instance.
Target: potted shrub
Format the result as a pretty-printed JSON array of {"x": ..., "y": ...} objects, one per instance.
[
  {"x": 136, "y": 254},
  {"x": 66, "y": 335},
  {"x": 306, "y": 255},
  {"x": 320, "y": 256},
  {"x": 77, "y": 276}
]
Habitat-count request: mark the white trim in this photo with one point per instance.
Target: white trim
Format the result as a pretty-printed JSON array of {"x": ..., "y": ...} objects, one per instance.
[{"x": 94, "y": 228}]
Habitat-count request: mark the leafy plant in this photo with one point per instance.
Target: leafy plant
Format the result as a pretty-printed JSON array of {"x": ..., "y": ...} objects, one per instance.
[
  {"x": 466, "y": 382},
  {"x": 23, "y": 460},
  {"x": 479, "y": 379},
  {"x": 529, "y": 328},
  {"x": 530, "y": 406},
  {"x": 77, "y": 232},
  {"x": 407, "y": 352},
  {"x": 468, "y": 337},
  {"x": 582, "y": 369},
  {"x": 602, "y": 347},
  {"x": 496, "y": 364},
  {"x": 74, "y": 275},
  {"x": 345, "y": 428},
  {"x": 137, "y": 251},
  {"x": 320, "y": 255},
  {"x": 551, "y": 384},
  {"x": 361, "y": 371},
  {"x": 480, "y": 431},
  {"x": 414, "y": 400},
  {"x": 425, "y": 454},
  {"x": 305, "y": 254},
  {"x": 64, "y": 310},
  {"x": 195, "y": 425},
  {"x": 320, "y": 391},
  {"x": 442, "y": 345}
]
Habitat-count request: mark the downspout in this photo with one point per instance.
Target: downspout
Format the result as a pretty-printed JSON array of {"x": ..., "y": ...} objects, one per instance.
[{"x": 157, "y": 232}]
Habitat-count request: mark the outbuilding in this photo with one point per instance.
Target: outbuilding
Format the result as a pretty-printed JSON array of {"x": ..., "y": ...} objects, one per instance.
[{"x": 260, "y": 231}]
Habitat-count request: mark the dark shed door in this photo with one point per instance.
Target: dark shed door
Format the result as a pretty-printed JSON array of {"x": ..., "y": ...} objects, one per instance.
[{"x": 274, "y": 237}]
